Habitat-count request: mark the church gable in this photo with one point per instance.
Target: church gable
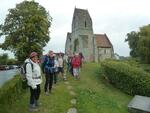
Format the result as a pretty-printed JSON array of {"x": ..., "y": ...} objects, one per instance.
[{"x": 102, "y": 41}]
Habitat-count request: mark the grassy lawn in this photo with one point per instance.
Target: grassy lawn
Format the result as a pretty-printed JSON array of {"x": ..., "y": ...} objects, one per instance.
[
  {"x": 93, "y": 94},
  {"x": 56, "y": 102}
]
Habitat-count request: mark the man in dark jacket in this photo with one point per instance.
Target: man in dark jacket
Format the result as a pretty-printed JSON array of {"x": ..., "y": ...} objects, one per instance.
[{"x": 48, "y": 69}]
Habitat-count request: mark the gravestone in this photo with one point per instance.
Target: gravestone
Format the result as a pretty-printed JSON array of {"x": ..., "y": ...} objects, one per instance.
[{"x": 139, "y": 104}]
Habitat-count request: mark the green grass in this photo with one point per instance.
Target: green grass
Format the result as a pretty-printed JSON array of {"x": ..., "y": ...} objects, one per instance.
[
  {"x": 96, "y": 95},
  {"x": 93, "y": 93},
  {"x": 57, "y": 102}
]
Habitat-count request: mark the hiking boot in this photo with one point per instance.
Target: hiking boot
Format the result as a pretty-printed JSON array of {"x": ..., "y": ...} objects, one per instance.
[
  {"x": 37, "y": 103},
  {"x": 64, "y": 78},
  {"x": 33, "y": 108}
]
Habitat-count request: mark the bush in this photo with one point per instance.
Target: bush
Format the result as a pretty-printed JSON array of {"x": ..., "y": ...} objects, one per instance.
[
  {"x": 130, "y": 79},
  {"x": 10, "y": 92},
  {"x": 145, "y": 67}
]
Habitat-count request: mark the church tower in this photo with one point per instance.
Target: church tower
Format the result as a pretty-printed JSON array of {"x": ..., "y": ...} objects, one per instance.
[
  {"x": 94, "y": 47},
  {"x": 82, "y": 34}
]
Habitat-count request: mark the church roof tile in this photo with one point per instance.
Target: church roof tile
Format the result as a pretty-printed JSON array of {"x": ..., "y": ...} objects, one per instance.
[{"x": 102, "y": 40}]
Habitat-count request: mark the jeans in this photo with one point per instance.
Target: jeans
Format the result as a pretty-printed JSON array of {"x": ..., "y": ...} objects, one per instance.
[{"x": 48, "y": 82}]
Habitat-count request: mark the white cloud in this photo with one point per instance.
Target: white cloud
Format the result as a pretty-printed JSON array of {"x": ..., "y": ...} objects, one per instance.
[{"x": 116, "y": 18}]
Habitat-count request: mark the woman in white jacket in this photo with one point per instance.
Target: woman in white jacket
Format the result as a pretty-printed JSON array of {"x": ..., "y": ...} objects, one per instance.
[{"x": 34, "y": 79}]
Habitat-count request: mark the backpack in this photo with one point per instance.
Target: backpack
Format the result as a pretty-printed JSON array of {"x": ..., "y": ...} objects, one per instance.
[{"x": 23, "y": 70}]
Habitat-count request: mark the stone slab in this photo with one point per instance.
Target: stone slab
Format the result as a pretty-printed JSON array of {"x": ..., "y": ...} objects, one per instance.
[
  {"x": 72, "y": 110},
  {"x": 66, "y": 82},
  {"x": 139, "y": 104},
  {"x": 72, "y": 93},
  {"x": 73, "y": 101},
  {"x": 69, "y": 87}
]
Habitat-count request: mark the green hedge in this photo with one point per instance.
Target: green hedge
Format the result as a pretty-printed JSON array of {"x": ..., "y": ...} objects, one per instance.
[
  {"x": 128, "y": 78},
  {"x": 10, "y": 92}
]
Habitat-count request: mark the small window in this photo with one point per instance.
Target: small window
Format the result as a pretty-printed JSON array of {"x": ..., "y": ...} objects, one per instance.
[
  {"x": 104, "y": 51},
  {"x": 85, "y": 23}
]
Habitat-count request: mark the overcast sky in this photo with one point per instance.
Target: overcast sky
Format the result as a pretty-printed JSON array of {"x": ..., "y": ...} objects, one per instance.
[{"x": 116, "y": 18}]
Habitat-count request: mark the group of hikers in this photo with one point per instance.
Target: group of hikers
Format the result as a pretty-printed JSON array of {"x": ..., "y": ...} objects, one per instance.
[{"x": 52, "y": 65}]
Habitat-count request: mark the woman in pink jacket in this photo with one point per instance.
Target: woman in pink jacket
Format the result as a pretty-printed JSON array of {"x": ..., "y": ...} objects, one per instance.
[{"x": 76, "y": 62}]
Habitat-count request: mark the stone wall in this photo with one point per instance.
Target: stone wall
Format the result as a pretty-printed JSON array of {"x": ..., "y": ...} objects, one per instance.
[{"x": 103, "y": 53}]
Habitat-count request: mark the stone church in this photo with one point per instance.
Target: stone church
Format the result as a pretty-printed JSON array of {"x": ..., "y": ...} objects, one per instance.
[{"x": 94, "y": 47}]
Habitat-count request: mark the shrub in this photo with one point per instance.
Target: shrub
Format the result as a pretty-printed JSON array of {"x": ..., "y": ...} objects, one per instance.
[
  {"x": 130, "y": 79},
  {"x": 10, "y": 92}
]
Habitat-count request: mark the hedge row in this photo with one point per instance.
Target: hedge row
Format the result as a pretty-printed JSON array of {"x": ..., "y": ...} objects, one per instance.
[
  {"x": 9, "y": 93},
  {"x": 129, "y": 79}
]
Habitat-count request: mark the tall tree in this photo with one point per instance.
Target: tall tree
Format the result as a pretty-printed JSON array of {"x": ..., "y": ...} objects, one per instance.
[
  {"x": 26, "y": 29},
  {"x": 144, "y": 44},
  {"x": 3, "y": 59},
  {"x": 132, "y": 39},
  {"x": 139, "y": 43}
]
